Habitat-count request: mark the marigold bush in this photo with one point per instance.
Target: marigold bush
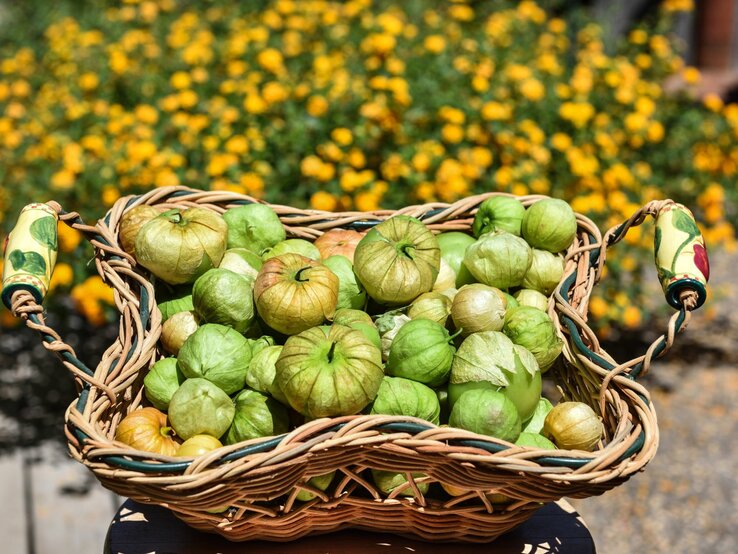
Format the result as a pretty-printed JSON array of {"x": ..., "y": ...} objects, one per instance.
[{"x": 359, "y": 105}]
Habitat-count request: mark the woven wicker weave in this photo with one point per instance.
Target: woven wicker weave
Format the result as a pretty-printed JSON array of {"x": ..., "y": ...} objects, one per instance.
[{"x": 259, "y": 479}]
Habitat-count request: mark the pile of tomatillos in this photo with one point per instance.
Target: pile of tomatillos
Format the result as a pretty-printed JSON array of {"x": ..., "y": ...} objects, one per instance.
[{"x": 266, "y": 332}]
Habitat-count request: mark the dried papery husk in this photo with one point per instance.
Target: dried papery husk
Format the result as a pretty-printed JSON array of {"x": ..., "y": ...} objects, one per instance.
[
  {"x": 478, "y": 308},
  {"x": 147, "y": 429},
  {"x": 446, "y": 277},
  {"x": 131, "y": 223},
  {"x": 573, "y": 426},
  {"x": 431, "y": 305}
]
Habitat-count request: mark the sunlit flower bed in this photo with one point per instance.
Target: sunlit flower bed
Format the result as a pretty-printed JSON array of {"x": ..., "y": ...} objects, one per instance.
[{"x": 361, "y": 105}]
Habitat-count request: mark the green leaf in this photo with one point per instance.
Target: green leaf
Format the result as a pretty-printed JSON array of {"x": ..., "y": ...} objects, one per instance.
[
  {"x": 44, "y": 231},
  {"x": 657, "y": 241},
  {"x": 665, "y": 273},
  {"x": 30, "y": 262},
  {"x": 685, "y": 223},
  {"x": 17, "y": 259}
]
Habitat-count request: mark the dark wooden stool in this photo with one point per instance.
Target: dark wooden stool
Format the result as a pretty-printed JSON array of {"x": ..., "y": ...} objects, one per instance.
[{"x": 141, "y": 528}]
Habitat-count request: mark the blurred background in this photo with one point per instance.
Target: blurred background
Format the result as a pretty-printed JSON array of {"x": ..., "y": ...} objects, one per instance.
[{"x": 379, "y": 104}]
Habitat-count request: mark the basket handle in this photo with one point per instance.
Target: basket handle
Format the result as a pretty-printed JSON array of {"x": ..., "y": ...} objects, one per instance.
[
  {"x": 679, "y": 251},
  {"x": 30, "y": 254},
  {"x": 683, "y": 269}
]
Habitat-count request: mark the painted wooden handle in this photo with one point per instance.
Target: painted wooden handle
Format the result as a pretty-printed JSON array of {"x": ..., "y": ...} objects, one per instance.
[
  {"x": 681, "y": 257},
  {"x": 30, "y": 253}
]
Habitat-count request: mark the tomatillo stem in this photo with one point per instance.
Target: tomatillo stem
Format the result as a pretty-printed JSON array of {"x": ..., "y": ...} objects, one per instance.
[{"x": 298, "y": 275}]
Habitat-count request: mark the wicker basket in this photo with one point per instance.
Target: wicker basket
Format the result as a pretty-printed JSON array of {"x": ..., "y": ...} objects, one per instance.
[{"x": 259, "y": 479}]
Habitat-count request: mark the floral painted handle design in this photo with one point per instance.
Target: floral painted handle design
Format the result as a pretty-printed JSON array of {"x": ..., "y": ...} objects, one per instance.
[
  {"x": 30, "y": 253},
  {"x": 681, "y": 257}
]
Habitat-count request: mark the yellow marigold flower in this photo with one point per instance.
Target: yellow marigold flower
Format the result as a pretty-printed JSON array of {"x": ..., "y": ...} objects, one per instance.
[
  {"x": 655, "y": 131},
  {"x": 62, "y": 277},
  {"x": 146, "y": 114},
  {"x": 310, "y": 166},
  {"x": 530, "y": 10},
  {"x": 342, "y": 136},
  {"x": 452, "y": 133},
  {"x": 379, "y": 43},
  {"x": 421, "y": 161},
  {"x": 169, "y": 103},
  {"x": 395, "y": 66},
  {"x": 634, "y": 122},
  {"x": 480, "y": 84},
  {"x": 271, "y": 60},
  {"x": 149, "y": 11},
  {"x": 563, "y": 90},
  {"x": 598, "y": 307},
  {"x": 540, "y": 185},
  {"x": 62, "y": 179},
  {"x": 451, "y": 115},
  {"x": 481, "y": 157},
  {"x": 560, "y": 141},
  {"x": 254, "y": 104},
  {"x": 394, "y": 167},
  {"x": 109, "y": 195},
  {"x": 461, "y": 12},
  {"x": 356, "y": 158},
  {"x": 495, "y": 111},
  {"x": 141, "y": 151},
  {"x": 593, "y": 202},
  {"x": 210, "y": 143},
  {"x": 435, "y": 44},
  {"x": 678, "y": 5},
  {"x": 188, "y": 98},
  {"x": 691, "y": 75},
  {"x": 326, "y": 172},
  {"x": 579, "y": 113},
  {"x": 274, "y": 93},
  {"x": 68, "y": 237},
  {"x": 643, "y": 61},
  {"x": 557, "y": 25},
  {"x": 425, "y": 191},
  {"x": 532, "y": 89},
  {"x": 166, "y": 178},
  {"x": 390, "y": 23},
  {"x": 632, "y": 317},
  {"x": 15, "y": 110},
  {"x": 503, "y": 176},
  {"x": 180, "y": 80},
  {"x": 88, "y": 81},
  {"x": 645, "y": 105},
  {"x": 367, "y": 201},
  {"x": 317, "y": 106},
  {"x": 237, "y": 144},
  {"x": 20, "y": 88},
  {"x": 253, "y": 183},
  {"x": 219, "y": 164},
  {"x": 713, "y": 102},
  {"x": 582, "y": 164},
  {"x": 330, "y": 151},
  {"x": 549, "y": 63},
  {"x": 324, "y": 201}
]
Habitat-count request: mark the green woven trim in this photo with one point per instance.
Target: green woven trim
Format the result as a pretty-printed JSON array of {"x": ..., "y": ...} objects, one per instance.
[{"x": 411, "y": 428}]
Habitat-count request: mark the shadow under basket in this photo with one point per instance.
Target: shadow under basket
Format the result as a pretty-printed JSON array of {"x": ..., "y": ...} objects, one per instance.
[{"x": 249, "y": 490}]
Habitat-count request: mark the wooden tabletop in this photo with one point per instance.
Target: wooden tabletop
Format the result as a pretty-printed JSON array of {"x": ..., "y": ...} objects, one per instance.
[{"x": 140, "y": 528}]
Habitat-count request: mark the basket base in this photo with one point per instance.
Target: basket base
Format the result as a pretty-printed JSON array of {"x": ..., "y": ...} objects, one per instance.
[{"x": 147, "y": 528}]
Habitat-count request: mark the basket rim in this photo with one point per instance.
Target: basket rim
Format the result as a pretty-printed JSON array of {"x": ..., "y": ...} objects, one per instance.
[{"x": 369, "y": 219}]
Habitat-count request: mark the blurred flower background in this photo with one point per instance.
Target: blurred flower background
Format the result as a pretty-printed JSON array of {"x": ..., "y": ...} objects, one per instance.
[{"x": 359, "y": 105}]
